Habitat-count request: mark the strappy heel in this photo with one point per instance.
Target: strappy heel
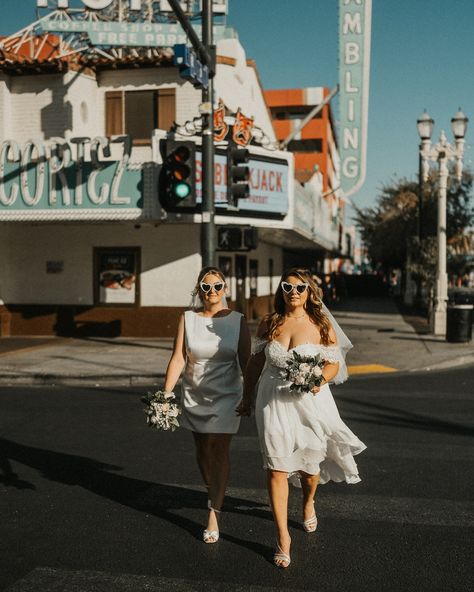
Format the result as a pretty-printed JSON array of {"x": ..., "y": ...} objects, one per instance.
[
  {"x": 311, "y": 524},
  {"x": 211, "y": 536},
  {"x": 282, "y": 557}
]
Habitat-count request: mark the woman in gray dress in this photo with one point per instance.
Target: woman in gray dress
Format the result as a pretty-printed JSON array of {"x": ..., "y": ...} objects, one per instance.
[{"x": 212, "y": 344}]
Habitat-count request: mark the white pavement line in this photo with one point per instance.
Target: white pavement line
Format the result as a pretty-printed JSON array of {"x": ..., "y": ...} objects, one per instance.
[
  {"x": 464, "y": 360},
  {"x": 46, "y": 579},
  {"x": 368, "y": 508}
]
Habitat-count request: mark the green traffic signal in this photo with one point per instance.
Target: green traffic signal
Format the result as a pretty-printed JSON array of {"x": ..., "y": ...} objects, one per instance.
[
  {"x": 182, "y": 190},
  {"x": 177, "y": 177}
]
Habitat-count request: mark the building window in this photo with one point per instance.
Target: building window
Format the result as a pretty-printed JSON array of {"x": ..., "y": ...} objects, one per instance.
[
  {"x": 138, "y": 112},
  {"x": 315, "y": 145},
  {"x": 116, "y": 276},
  {"x": 299, "y": 112}
]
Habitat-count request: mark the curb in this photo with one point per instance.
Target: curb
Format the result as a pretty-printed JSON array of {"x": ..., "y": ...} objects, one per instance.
[
  {"x": 155, "y": 379},
  {"x": 78, "y": 380}
]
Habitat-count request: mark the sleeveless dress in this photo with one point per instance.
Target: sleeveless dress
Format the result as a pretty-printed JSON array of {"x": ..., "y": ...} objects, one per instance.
[
  {"x": 212, "y": 382},
  {"x": 302, "y": 431}
]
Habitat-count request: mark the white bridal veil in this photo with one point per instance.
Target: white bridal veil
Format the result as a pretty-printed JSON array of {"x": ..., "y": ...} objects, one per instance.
[{"x": 343, "y": 344}]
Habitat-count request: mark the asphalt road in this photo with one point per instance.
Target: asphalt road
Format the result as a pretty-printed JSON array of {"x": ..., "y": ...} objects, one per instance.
[{"x": 92, "y": 500}]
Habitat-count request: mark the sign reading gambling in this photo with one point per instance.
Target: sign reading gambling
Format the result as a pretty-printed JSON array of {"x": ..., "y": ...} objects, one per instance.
[{"x": 354, "y": 64}]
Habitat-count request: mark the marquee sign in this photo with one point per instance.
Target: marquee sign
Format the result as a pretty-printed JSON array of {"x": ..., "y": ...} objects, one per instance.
[
  {"x": 269, "y": 185},
  {"x": 79, "y": 180},
  {"x": 136, "y": 34},
  {"x": 94, "y": 4},
  {"x": 44, "y": 182},
  {"x": 354, "y": 63}
]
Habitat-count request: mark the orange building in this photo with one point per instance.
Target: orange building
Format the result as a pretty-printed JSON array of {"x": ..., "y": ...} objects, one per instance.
[{"x": 315, "y": 146}]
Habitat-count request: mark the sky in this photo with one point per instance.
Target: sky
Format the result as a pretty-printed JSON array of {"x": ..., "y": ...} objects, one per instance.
[{"x": 422, "y": 58}]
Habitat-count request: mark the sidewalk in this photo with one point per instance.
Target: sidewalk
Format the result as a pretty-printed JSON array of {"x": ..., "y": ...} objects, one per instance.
[{"x": 384, "y": 341}]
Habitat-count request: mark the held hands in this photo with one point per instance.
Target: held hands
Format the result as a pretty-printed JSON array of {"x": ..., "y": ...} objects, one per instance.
[
  {"x": 244, "y": 408},
  {"x": 315, "y": 390}
]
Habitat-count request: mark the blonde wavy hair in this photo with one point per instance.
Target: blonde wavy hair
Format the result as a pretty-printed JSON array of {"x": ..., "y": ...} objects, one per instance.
[{"x": 313, "y": 306}]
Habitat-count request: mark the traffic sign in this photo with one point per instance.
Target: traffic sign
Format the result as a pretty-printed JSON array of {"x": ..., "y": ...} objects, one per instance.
[{"x": 190, "y": 68}]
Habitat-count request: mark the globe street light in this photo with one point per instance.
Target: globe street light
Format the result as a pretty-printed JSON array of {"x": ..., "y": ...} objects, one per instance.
[{"x": 442, "y": 153}]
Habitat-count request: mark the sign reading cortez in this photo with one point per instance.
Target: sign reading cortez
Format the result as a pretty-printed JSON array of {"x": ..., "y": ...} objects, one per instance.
[{"x": 355, "y": 17}]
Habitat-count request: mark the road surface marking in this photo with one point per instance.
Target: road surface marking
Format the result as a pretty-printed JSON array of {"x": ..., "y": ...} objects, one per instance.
[{"x": 370, "y": 369}]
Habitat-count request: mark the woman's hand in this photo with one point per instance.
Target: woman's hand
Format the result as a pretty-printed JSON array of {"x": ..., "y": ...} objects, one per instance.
[
  {"x": 244, "y": 408},
  {"x": 315, "y": 390}
]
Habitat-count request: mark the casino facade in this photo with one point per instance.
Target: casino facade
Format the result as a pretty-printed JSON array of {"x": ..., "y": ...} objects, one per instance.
[{"x": 85, "y": 245}]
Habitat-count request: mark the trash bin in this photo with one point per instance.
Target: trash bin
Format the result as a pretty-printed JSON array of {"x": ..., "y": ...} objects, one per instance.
[{"x": 459, "y": 323}]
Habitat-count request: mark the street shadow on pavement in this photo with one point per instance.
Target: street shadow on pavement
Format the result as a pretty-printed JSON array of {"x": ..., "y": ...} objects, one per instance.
[
  {"x": 381, "y": 305},
  {"x": 375, "y": 413},
  {"x": 152, "y": 498}
]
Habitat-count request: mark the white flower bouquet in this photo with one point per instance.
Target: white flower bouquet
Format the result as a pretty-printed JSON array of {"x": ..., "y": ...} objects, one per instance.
[
  {"x": 161, "y": 410},
  {"x": 304, "y": 372}
]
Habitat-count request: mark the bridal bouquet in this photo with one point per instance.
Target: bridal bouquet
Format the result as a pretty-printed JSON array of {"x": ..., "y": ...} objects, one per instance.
[
  {"x": 304, "y": 372},
  {"x": 161, "y": 410}
]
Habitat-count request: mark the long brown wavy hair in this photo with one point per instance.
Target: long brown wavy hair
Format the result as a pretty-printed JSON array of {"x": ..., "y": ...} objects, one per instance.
[{"x": 313, "y": 306}]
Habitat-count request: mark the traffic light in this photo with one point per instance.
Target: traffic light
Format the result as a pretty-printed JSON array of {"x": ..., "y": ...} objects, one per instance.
[
  {"x": 250, "y": 238},
  {"x": 177, "y": 184},
  {"x": 238, "y": 175}
]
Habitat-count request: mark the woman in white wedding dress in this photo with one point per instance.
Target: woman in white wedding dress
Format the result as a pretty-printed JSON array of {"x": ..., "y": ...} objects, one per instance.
[{"x": 302, "y": 436}]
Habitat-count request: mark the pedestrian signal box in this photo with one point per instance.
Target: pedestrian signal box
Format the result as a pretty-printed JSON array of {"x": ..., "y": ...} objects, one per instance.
[
  {"x": 237, "y": 238},
  {"x": 177, "y": 182}
]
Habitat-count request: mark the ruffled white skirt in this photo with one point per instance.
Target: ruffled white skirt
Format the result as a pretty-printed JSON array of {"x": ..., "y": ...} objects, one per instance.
[{"x": 304, "y": 432}]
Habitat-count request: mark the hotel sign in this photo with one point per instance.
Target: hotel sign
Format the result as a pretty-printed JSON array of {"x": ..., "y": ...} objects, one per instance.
[
  {"x": 354, "y": 62},
  {"x": 93, "y": 179},
  {"x": 41, "y": 181}
]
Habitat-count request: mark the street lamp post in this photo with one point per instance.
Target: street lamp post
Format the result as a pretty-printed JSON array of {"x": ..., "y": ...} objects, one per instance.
[{"x": 441, "y": 153}]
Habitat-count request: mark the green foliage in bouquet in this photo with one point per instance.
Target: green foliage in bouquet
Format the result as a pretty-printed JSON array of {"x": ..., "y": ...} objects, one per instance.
[
  {"x": 161, "y": 410},
  {"x": 304, "y": 372}
]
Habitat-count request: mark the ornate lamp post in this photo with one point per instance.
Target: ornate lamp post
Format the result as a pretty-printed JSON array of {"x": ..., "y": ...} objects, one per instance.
[{"x": 442, "y": 153}]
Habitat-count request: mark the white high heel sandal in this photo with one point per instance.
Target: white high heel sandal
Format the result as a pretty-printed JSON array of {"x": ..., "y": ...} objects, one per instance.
[
  {"x": 211, "y": 536},
  {"x": 311, "y": 524}
]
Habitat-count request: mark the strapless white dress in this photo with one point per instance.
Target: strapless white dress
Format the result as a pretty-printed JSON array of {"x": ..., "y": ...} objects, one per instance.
[{"x": 302, "y": 431}]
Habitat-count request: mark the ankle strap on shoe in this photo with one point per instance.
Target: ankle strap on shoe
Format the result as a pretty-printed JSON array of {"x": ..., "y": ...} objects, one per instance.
[{"x": 209, "y": 505}]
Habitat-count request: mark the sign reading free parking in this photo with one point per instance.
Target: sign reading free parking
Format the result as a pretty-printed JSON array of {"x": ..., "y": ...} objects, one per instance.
[{"x": 137, "y": 34}]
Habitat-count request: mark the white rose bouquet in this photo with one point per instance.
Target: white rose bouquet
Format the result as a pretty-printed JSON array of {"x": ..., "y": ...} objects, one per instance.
[
  {"x": 304, "y": 372},
  {"x": 161, "y": 410}
]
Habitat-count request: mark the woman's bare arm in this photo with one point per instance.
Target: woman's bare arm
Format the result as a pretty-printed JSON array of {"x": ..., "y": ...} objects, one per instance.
[
  {"x": 252, "y": 374},
  {"x": 177, "y": 360}
]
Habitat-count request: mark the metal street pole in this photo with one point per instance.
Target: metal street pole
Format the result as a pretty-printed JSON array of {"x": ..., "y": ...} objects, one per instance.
[
  {"x": 441, "y": 299},
  {"x": 206, "y": 53},
  {"x": 421, "y": 189},
  {"x": 419, "y": 282},
  {"x": 442, "y": 153},
  {"x": 208, "y": 228}
]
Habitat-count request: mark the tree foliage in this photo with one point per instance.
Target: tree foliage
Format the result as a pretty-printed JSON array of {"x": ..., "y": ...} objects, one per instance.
[{"x": 390, "y": 227}]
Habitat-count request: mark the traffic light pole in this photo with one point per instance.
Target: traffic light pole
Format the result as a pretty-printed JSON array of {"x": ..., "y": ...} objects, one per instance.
[
  {"x": 208, "y": 227},
  {"x": 205, "y": 52}
]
